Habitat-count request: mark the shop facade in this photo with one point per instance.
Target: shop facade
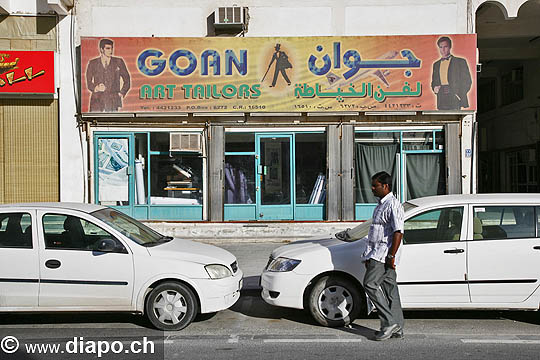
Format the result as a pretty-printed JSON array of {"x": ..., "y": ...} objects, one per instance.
[{"x": 269, "y": 129}]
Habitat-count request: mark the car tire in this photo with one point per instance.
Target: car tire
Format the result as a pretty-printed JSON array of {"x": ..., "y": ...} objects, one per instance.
[
  {"x": 335, "y": 301},
  {"x": 171, "y": 306}
]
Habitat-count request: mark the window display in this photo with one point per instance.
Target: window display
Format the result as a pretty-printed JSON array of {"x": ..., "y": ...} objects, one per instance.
[
  {"x": 310, "y": 168},
  {"x": 239, "y": 179}
]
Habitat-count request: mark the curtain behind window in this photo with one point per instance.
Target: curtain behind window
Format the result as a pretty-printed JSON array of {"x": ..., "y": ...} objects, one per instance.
[
  {"x": 370, "y": 159},
  {"x": 425, "y": 175}
]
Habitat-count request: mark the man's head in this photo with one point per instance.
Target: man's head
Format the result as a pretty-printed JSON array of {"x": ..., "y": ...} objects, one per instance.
[
  {"x": 106, "y": 47},
  {"x": 277, "y": 47},
  {"x": 381, "y": 184},
  {"x": 445, "y": 45}
]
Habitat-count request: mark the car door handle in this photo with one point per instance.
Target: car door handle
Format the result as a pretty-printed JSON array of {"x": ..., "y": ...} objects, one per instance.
[
  {"x": 536, "y": 248},
  {"x": 454, "y": 251},
  {"x": 53, "y": 264}
]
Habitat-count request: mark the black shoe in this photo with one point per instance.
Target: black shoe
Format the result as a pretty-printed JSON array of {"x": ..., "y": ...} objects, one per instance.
[{"x": 387, "y": 332}]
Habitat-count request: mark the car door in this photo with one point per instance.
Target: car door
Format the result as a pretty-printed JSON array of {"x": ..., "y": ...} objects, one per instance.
[
  {"x": 19, "y": 259},
  {"x": 433, "y": 258},
  {"x": 73, "y": 272},
  {"x": 504, "y": 253}
]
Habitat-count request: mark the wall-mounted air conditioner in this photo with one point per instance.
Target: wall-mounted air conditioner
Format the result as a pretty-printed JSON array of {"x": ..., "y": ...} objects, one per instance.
[
  {"x": 233, "y": 16},
  {"x": 183, "y": 141}
]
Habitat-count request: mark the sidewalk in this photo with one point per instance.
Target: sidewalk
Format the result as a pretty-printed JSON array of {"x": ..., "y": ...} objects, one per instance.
[{"x": 249, "y": 232}]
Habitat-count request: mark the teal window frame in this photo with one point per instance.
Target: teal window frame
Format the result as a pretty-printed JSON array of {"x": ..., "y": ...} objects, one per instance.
[{"x": 363, "y": 211}]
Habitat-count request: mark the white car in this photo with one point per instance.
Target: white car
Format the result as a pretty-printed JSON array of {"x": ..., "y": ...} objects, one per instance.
[
  {"x": 84, "y": 257},
  {"x": 458, "y": 252}
]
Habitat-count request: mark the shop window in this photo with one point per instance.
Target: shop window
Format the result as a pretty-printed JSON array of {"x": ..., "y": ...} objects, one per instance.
[
  {"x": 239, "y": 179},
  {"x": 375, "y": 151},
  {"x": 175, "y": 177},
  {"x": 310, "y": 168},
  {"x": 239, "y": 142},
  {"x": 415, "y": 159}
]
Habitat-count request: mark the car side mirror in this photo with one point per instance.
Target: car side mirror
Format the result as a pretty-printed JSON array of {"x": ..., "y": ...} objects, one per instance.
[{"x": 106, "y": 245}]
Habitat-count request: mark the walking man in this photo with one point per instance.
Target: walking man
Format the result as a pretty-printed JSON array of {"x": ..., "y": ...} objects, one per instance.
[{"x": 381, "y": 257}]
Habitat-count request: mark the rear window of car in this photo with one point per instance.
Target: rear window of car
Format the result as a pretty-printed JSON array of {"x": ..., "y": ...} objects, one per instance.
[{"x": 504, "y": 222}]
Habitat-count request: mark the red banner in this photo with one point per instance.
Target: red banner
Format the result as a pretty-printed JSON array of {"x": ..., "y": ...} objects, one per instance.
[{"x": 26, "y": 72}]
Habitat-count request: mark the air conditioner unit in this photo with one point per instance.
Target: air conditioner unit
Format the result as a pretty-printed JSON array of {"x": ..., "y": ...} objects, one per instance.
[
  {"x": 190, "y": 142},
  {"x": 229, "y": 16}
]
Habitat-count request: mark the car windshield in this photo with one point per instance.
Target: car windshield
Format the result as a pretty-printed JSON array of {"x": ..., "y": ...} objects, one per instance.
[
  {"x": 133, "y": 229},
  {"x": 362, "y": 230}
]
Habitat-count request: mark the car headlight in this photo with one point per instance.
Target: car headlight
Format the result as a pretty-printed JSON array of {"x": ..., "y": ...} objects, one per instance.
[
  {"x": 282, "y": 264},
  {"x": 216, "y": 271}
]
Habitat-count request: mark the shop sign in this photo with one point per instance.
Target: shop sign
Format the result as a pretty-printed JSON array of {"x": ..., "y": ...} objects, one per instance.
[
  {"x": 285, "y": 74},
  {"x": 26, "y": 72}
]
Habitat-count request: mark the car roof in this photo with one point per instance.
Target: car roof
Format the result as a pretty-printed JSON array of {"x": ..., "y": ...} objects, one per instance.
[
  {"x": 485, "y": 199},
  {"x": 84, "y": 207}
]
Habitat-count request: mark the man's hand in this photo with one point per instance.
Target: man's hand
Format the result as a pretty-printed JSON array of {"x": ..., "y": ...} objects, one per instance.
[
  {"x": 100, "y": 88},
  {"x": 436, "y": 89},
  {"x": 390, "y": 263},
  {"x": 121, "y": 95}
]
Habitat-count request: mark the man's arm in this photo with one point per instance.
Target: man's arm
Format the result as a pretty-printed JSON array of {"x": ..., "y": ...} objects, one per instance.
[
  {"x": 396, "y": 242},
  {"x": 466, "y": 76},
  {"x": 435, "y": 81},
  {"x": 124, "y": 74},
  {"x": 90, "y": 77}
]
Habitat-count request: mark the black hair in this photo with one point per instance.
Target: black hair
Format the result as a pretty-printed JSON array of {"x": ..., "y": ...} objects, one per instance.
[
  {"x": 104, "y": 42},
  {"x": 445, "y": 38},
  {"x": 384, "y": 178}
]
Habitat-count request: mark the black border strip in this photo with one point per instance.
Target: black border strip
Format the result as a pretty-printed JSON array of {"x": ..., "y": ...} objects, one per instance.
[
  {"x": 83, "y": 282},
  {"x": 464, "y": 282},
  {"x": 3, "y": 280}
]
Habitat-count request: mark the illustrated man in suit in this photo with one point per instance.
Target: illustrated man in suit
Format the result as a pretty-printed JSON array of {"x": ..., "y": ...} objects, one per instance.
[
  {"x": 103, "y": 75},
  {"x": 282, "y": 63},
  {"x": 451, "y": 78}
]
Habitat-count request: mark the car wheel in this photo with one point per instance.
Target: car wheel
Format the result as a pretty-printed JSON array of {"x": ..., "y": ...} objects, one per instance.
[
  {"x": 336, "y": 301},
  {"x": 171, "y": 306}
]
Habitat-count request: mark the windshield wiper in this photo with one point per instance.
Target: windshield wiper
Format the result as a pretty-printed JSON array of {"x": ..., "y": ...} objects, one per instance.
[{"x": 161, "y": 240}]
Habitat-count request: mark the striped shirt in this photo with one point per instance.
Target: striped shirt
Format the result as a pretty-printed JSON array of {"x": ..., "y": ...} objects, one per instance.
[{"x": 387, "y": 219}]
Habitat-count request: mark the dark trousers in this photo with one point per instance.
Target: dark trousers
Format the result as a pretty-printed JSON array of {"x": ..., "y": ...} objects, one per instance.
[
  {"x": 381, "y": 287},
  {"x": 283, "y": 73},
  {"x": 447, "y": 100}
]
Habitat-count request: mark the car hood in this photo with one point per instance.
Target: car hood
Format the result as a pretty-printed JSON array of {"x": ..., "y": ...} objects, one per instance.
[
  {"x": 192, "y": 251},
  {"x": 304, "y": 248}
]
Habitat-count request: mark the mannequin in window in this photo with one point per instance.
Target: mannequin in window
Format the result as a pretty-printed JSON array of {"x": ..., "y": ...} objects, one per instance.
[{"x": 236, "y": 191}]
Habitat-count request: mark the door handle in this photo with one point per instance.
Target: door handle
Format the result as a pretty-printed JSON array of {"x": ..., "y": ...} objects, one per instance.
[
  {"x": 454, "y": 251},
  {"x": 53, "y": 264},
  {"x": 536, "y": 248}
]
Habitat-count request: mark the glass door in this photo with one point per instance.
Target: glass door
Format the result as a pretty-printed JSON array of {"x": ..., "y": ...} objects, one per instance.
[
  {"x": 113, "y": 171},
  {"x": 275, "y": 169}
]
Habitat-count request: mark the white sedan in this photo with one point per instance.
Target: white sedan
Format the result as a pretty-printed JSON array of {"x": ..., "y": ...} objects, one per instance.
[
  {"x": 84, "y": 257},
  {"x": 458, "y": 252}
]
